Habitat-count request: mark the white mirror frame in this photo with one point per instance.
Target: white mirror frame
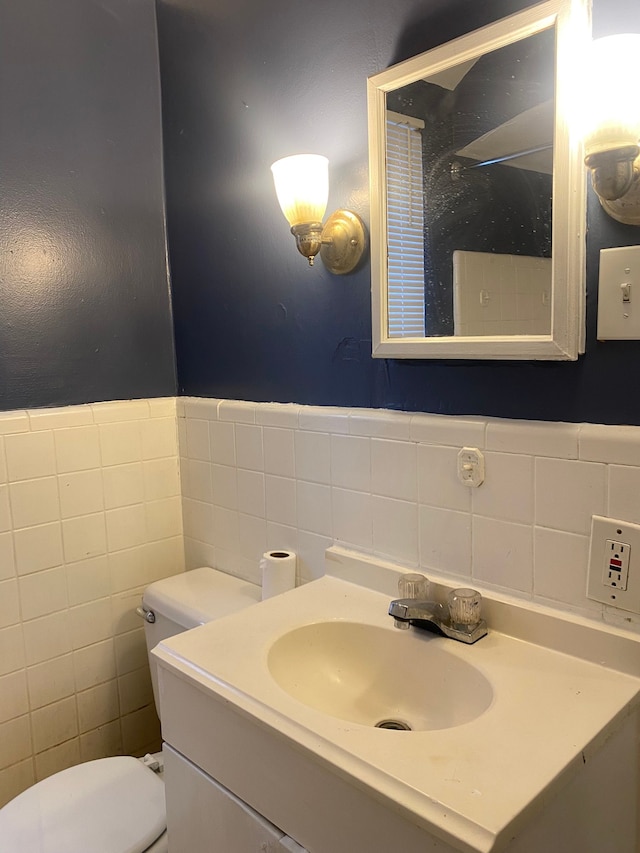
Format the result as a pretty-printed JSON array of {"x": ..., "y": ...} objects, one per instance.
[{"x": 572, "y": 21}]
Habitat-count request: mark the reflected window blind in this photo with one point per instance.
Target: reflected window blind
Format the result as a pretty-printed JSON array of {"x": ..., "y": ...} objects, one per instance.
[{"x": 405, "y": 226}]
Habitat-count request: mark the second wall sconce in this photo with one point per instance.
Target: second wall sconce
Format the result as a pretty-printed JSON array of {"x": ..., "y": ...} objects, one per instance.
[
  {"x": 302, "y": 187},
  {"x": 612, "y": 134}
]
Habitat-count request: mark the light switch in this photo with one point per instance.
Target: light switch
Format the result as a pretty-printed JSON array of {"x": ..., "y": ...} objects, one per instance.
[{"x": 619, "y": 294}]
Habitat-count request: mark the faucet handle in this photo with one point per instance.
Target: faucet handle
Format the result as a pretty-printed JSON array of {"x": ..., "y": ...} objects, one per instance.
[
  {"x": 464, "y": 608},
  {"x": 413, "y": 585}
]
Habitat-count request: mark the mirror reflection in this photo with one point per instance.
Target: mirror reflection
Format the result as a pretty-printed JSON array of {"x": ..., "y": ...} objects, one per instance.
[{"x": 469, "y": 172}]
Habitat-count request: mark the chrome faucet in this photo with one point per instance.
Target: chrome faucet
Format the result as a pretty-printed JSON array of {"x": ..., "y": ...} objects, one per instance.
[{"x": 460, "y": 621}]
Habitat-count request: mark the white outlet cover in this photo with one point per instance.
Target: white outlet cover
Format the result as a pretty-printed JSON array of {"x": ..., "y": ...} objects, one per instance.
[
  {"x": 471, "y": 467},
  {"x": 620, "y": 531}
]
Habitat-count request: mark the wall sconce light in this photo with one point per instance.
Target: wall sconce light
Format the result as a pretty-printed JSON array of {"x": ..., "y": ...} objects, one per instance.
[
  {"x": 612, "y": 132},
  {"x": 302, "y": 187}
]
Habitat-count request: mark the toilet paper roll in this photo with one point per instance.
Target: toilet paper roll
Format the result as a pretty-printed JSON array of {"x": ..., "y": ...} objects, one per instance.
[{"x": 278, "y": 572}]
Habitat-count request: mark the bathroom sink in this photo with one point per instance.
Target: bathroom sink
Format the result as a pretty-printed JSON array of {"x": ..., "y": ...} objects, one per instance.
[
  {"x": 280, "y": 704},
  {"x": 378, "y": 676}
]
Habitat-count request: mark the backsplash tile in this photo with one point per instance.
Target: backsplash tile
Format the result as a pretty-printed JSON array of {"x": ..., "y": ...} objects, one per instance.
[
  {"x": 351, "y": 462},
  {"x": 602, "y": 443},
  {"x": 90, "y": 513},
  {"x": 314, "y": 507},
  {"x": 502, "y": 554},
  {"x": 393, "y": 469},
  {"x": 624, "y": 493},
  {"x": 222, "y": 448},
  {"x": 29, "y": 455},
  {"x": 568, "y": 493},
  {"x": 352, "y": 518},
  {"x": 15, "y": 699},
  {"x": 12, "y": 650},
  {"x": 51, "y": 681},
  {"x": 281, "y": 500},
  {"x": 538, "y": 438},
  {"x": 313, "y": 456},
  {"x": 14, "y": 422},
  {"x": 323, "y": 419},
  {"x": 9, "y": 603},
  {"x": 439, "y": 429},
  {"x": 237, "y": 411},
  {"x": 445, "y": 540},
  {"x": 438, "y": 484},
  {"x": 560, "y": 572},
  {"x": 277, "y": 415},
  {"x": 200, "y": 408},
  {"x": 394, "y": 492},
  {"x": 379, "y": 423},
  {"x": 249, "y": 447},
  {"x": 507, "y": 492},
  {"x": 251, "y": 495},
  {"x": 77, "y": 449},
  {"x": 82, "y": 493},
  {"x": 279, "y": 451},
  {"x": 120, "y": 442},
  {"x": 47, "y": 637},
  {"x": 43, "y": 593},
  {"x": 38, "y": 548},
  {"x": 395, "y": 529},
  {"x": 34, "y": 501}
]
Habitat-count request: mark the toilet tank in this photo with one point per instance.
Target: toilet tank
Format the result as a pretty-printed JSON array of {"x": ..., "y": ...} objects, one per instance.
[{"x": 184, "y": 601}]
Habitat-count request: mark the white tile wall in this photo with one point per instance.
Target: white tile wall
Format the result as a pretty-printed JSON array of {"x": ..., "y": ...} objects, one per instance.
[
  {"x": 93, "y": 503},
  {"x": 385, "y": 482},
  {"x": 90, "y": 513}
]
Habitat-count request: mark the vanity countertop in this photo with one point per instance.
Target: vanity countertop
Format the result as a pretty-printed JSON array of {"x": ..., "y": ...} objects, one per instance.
[{"x": 478, "y": 782}]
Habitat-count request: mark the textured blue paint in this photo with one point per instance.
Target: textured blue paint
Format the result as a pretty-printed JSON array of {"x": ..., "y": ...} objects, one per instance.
[
  {"x": 86, "y": 309},
  {"x": 245, "y": 83}
]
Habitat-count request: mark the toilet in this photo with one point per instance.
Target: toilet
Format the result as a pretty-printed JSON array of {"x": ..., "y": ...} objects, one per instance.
[{"x": 116, "y": 805}]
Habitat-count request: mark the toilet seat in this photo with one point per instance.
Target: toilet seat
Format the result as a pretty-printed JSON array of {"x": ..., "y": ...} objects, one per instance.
[{"x": 112, "y": 805}]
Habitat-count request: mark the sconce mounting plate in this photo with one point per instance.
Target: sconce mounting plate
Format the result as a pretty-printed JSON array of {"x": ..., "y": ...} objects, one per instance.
[{"x": 344, "y": 241}]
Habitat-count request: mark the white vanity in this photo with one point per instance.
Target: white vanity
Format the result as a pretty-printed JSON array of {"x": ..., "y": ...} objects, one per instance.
[{"x": 524, "y": 741}]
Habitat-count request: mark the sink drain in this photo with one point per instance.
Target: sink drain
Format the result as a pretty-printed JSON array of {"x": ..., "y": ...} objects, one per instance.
[{"x": 393, "y": 725}]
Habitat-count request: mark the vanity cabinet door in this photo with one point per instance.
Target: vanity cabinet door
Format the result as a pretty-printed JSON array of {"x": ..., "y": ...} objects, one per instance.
[{"x": 204, "y": 817}]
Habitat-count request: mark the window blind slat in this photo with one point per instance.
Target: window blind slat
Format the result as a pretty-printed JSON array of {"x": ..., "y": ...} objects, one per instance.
[{"x": 405, "y": 228}]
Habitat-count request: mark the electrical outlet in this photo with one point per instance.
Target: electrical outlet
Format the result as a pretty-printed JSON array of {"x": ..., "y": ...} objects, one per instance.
[
  {"x": 471, "y": 466},
  {"x": 614, "y": 563},
  {"x": 615, "y": 571}
]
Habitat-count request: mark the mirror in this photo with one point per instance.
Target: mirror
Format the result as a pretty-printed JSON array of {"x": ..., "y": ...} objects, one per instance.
[{"x": 478, "y": 194}]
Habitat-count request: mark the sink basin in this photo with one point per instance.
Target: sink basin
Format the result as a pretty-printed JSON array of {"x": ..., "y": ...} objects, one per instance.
[{"x": 378, "y": 676}]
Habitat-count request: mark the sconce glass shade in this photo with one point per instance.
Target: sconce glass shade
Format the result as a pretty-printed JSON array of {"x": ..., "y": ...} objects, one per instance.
[
  {"x": 302, "y": 187},
  {"x": 612, "y": 109}
]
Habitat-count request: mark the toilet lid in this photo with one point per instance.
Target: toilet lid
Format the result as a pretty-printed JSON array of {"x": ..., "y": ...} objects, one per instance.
[{"x": 112, "y": 805}]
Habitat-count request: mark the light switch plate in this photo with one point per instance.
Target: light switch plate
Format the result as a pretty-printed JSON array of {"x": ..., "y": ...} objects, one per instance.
[{"x": 619, "y": 294}]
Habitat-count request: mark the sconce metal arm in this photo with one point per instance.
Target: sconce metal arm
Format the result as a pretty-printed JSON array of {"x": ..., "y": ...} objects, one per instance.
[
  {"x": 613, "y": 172},
  {"x": 341, "y": 242}
]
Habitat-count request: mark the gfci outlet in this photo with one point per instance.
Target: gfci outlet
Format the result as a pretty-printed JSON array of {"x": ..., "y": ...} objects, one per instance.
[{"x": 614, "y": 563}]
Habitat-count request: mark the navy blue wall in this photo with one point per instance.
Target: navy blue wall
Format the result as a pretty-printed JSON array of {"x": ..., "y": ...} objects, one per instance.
[
  {"x": 245, "y": 83},
  {"x": 86, "y": 311}
]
